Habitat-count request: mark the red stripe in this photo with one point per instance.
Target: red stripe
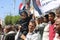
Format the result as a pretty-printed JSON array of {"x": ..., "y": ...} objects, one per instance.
[{"x": 20, "y": 6}]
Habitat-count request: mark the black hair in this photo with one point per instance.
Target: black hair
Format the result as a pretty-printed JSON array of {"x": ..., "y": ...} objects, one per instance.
[
  {"x": 52, "y": 13},
  {"x": 9, "y": 28},
  {"x": 33, "y": 21},
  {"x": 46, "y": 16},
  {"x": 0, "y": 26}
]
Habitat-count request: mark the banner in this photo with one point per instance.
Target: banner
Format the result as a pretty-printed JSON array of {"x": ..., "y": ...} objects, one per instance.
[{"x": 47, "y": 5}]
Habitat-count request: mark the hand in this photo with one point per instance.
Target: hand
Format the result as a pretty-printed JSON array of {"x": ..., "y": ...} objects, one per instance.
[{"x": 23, "y": 37}]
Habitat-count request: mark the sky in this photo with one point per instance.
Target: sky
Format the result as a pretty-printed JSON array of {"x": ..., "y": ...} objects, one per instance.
[{"x": 7, "y": 7}]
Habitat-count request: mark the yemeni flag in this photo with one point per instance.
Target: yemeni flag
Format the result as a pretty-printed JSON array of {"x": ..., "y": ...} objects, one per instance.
[
  {"x": 21, "y": 8},
  {"x": 26, "y": 3}
]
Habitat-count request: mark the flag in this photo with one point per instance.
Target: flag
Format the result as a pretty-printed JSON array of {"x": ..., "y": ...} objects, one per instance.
[
  {"x": 26, "y": 3},
  {"x": 36, "y": 5},
  {"x": 21, "y": 8},
  {"x": 47, "y": 5}
]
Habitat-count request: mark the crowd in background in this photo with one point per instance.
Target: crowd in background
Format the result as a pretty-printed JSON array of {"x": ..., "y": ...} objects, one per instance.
[{"x": 29, "y": 27}]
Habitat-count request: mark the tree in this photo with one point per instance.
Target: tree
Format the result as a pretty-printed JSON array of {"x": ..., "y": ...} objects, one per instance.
[{"x": 11, "y": 19}]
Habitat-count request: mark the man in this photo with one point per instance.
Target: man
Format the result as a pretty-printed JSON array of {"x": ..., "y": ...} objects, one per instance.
[
  {"x": 10, "y": 34},
  {"x": 51, "y": 26},
  {"x": 24, "y": 21},
  {"x": 49, "y": 29},
  {"x": 32, "y": 34},
  {"x": 57, "y": 29}
]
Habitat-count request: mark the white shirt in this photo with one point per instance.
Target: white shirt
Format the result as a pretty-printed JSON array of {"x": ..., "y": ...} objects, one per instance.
[
  {"x": 16, "y": 36},
  {"x": 46, "y": 33},
  {"x": 33, "y": 36},
  {"x": 56, "y": 37}
]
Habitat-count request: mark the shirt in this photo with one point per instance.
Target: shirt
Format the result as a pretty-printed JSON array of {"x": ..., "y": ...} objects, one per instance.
[
  {"x": 33, "y": 36},
  {"x": 57, "y": 37},
  {"x": 51, "y": 32},
  {"x": 46, "y": 33}
]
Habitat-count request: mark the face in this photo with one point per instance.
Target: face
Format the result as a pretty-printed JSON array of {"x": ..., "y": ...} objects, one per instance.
[
  {"x": 31, "y": 27},
  {"x": 57, "y": 26},
  {"x": 39, "y": 21},
  {"x": 58, "y": 15},
  {"x": 45, "y": 20},
  {"x": 23, "y": 15},
  {"x": 5, "y": 31},
  {"x": 51, "y": 17}
]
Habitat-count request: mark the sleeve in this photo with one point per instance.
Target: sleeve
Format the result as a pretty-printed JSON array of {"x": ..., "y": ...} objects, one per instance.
[{"x": 16, "y": 36}]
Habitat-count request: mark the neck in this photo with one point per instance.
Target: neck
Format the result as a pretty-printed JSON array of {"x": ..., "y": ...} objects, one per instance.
[
  {"x": 30, "y": 31},
  {"x": 52, "y": 22}
]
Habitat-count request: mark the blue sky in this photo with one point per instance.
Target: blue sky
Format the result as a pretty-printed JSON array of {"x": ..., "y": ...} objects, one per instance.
[{"x": 7, "y": 6}]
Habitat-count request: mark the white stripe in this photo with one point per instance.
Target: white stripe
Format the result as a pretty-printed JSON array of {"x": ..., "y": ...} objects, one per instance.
[{"x": 22, "y": 7}]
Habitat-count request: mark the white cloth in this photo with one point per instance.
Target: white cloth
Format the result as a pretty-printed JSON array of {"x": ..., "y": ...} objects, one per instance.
[
  {"x": 16, "y": 36},
  {"x": 1, "y": 36},
  {"x": 56, "y": 37},
  {"x": 33, "y": 36},
  {"x": 41, "y": 27},
  {"x": 10, "y": 32},
  {"x": 46, "y": 33}
]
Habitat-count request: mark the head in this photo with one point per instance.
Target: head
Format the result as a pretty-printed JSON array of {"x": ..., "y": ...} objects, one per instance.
[
  {"x": 17, "y": 27},
  {"x": 58, "y": 12},
  {"x": 57, "y": 25},
  {"x": 45, "y": 18},
  {"x": 8, "y": 29},
  {"x": 40, "y": 20},
  {"x": 31, "y": 25},
  {"x": 51, "y": 16},
  {"x": 24, "y": 15}
]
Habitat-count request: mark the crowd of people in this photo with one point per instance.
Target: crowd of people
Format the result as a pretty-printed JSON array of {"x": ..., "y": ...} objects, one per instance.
[{"x": 29, "y": 27}]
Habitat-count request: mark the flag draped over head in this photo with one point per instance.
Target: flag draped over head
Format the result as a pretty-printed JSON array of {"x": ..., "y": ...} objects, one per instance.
[
  {"x": 21, "y": 8},
  {"x": 24, "y": 5},
  {"x": 37, "y": 4}
]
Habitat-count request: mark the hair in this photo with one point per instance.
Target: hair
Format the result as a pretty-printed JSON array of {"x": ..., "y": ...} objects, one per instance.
[
  {"x": 33, "y": 21},
  {"x": 9, "y": 28},
  {"x": 52, "y": 13},
  {"x": 40, "y": 19},
  {"x": 16, "y": 27},
  {"x": 46, "y": 16},
  {"x": 1, "y": 29},
  {"x": 0, "y": 26}
]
